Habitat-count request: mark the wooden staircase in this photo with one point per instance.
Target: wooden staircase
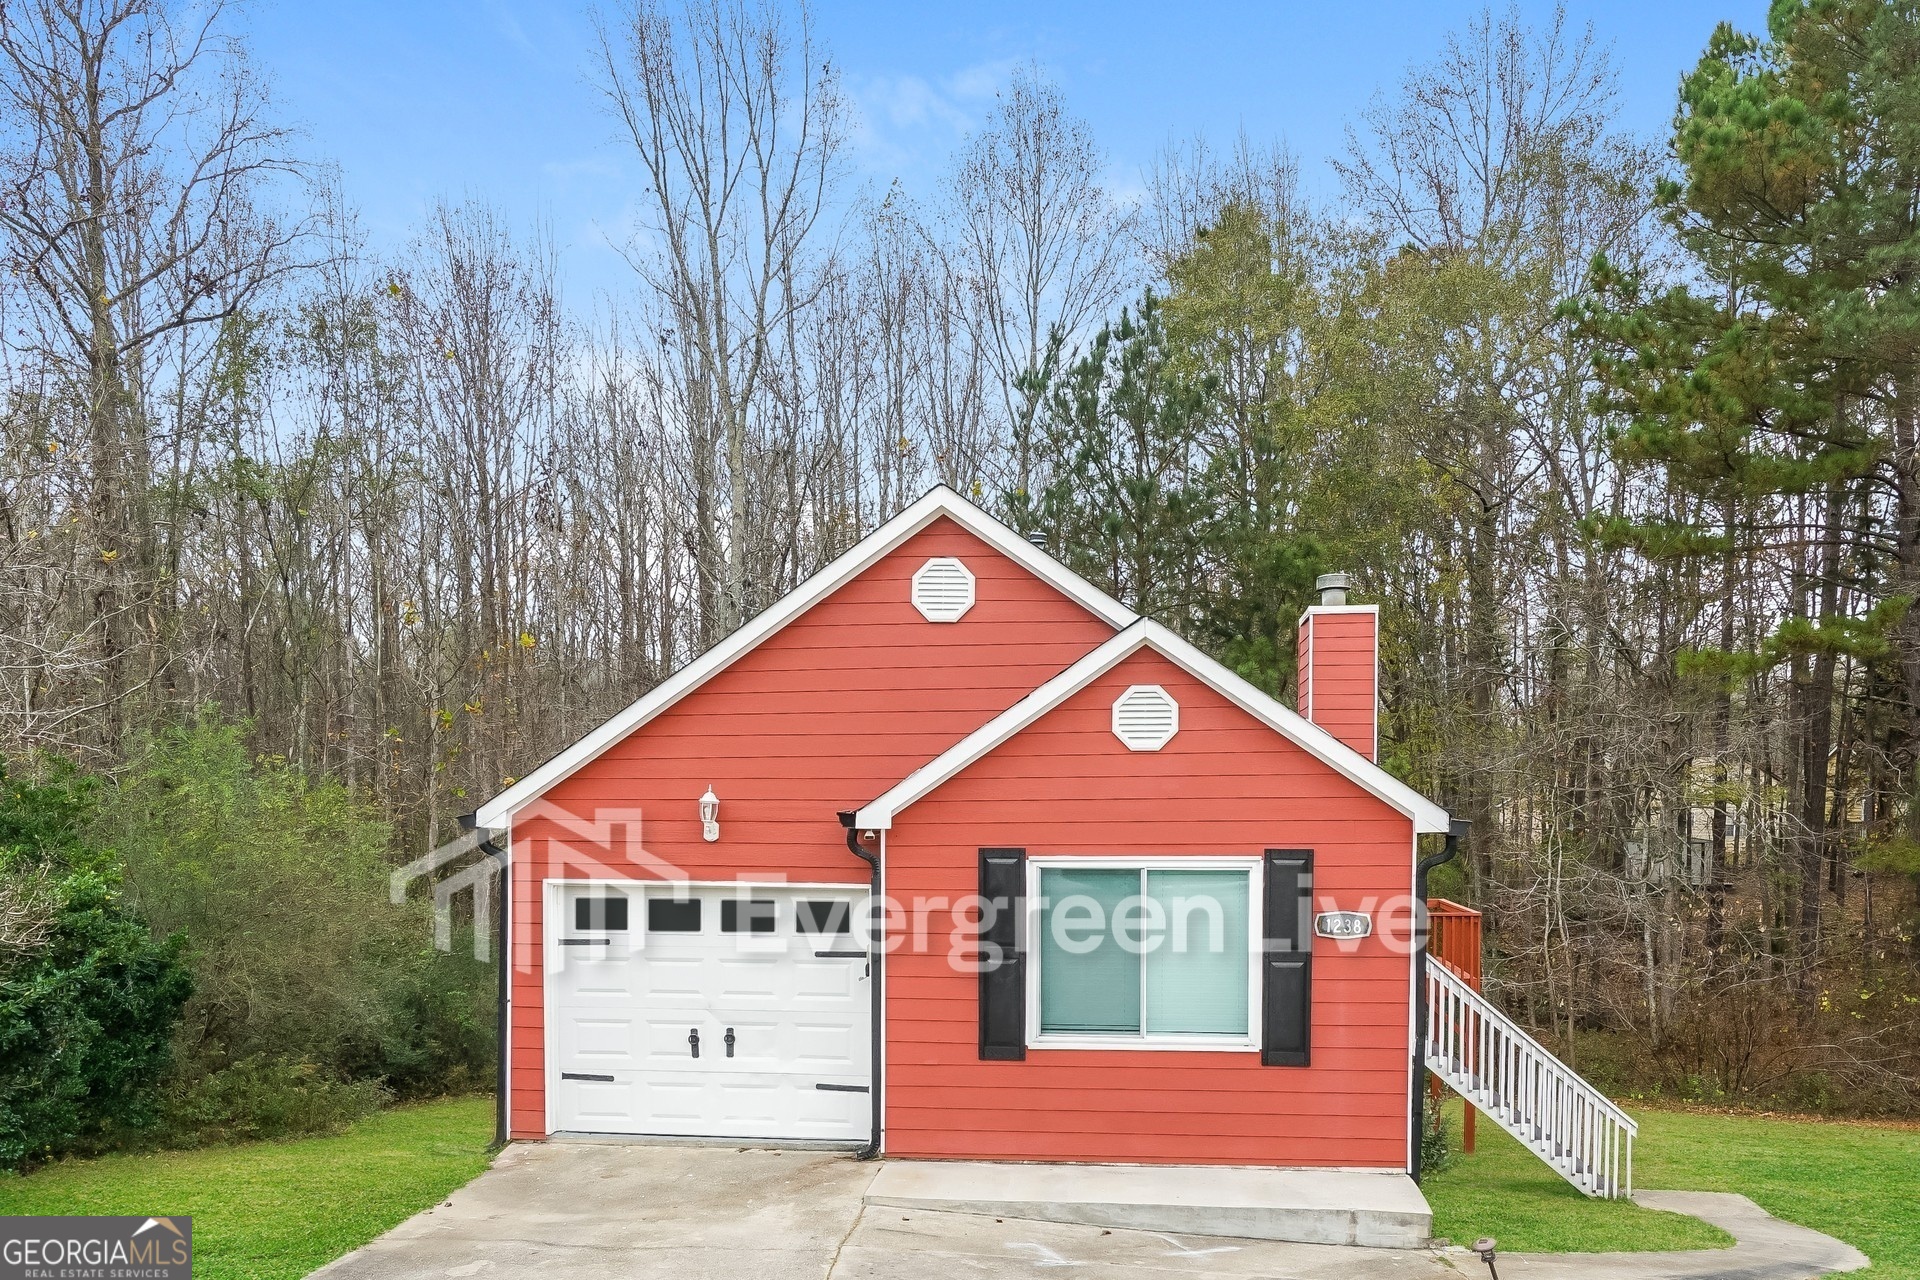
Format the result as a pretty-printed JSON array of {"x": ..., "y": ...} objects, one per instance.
[{"x": 1513, "y": 1080}]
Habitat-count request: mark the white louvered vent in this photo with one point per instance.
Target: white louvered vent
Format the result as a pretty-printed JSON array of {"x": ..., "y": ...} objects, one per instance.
[
  {"x": 1145, "y": 717},
  {"x": 943, "y": 589}
]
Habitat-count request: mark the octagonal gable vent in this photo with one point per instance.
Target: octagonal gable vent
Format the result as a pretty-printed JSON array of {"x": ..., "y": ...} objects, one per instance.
[
  {"x": 943, "y": 589},
  {"x": 1145, "y": 717}
]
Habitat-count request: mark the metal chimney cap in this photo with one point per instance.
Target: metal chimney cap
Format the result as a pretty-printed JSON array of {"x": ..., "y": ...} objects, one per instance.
[
  {"x": 1038, "y": 539},
  {"x": 1333, "y": 587}
]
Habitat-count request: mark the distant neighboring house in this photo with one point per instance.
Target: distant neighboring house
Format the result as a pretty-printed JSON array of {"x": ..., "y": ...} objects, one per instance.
[{"x": 949, "y": 713}]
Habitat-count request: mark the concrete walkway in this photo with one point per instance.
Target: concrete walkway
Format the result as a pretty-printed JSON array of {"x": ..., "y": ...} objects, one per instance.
[
  {"x": 1766, "y": 1248},
  {"x": 596, "y": 1211}
]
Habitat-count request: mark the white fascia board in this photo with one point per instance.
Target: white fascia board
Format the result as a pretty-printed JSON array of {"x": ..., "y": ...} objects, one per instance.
[
  {"x": 1145, "y": 633},
  {"x": 937, "y": 502}
]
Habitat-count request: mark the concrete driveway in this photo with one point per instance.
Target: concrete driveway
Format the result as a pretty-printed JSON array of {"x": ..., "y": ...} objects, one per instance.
[{"x": 592, "y": 1210}]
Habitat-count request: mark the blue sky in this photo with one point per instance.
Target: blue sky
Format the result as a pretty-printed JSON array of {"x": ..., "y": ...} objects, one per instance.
[{"x": 417, "y": 99}]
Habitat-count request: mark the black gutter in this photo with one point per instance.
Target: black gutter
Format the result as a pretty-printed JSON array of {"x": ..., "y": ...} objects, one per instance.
[
  {"x": 876, "y": 950},
  {"x": 503, "y": 965},
  {"x": 1456, "y": 831}
]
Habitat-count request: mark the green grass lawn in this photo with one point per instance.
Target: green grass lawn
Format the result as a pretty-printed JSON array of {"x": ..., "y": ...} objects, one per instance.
[
  {"x": 1854, "y": 1181},
  {"x": 273, "y": 1210}
]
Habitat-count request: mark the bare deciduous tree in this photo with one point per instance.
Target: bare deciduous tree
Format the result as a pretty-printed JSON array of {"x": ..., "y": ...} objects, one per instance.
[
  {"x": 1466, "y": 154},
  {"x": 1037, "y": 242},
  {"x": 737, "y": 120},
  {"x": 133, "y": 147},
  {"x": 1189, "y": 184}
]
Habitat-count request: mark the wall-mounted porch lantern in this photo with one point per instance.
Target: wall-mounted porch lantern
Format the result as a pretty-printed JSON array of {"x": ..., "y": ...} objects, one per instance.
[{"x": 710, "y": 815}]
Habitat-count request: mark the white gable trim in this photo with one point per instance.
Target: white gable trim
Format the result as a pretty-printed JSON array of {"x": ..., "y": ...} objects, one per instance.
[
  {"x": 1143, "y": 634},
  {"x": 937, "y": 502}
]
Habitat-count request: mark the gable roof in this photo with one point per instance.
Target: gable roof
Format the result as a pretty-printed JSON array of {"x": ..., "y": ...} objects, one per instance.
[
  {"x": 937, "y": 502},
  {"x": 1147, "y": 634}
]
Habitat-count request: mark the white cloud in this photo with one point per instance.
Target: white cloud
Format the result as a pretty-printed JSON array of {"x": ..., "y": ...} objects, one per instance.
[
  {"x": 908, "y": 125},
  {"x": 910, "y": 102},
  {"x": 982, "y": 80}
]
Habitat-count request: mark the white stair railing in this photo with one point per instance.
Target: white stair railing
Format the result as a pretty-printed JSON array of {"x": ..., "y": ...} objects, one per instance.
[{"x": 1484, "y": 1056}]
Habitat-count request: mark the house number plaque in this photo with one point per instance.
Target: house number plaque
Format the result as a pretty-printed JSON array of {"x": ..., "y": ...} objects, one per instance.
[{"x": 1343, "y": 924}]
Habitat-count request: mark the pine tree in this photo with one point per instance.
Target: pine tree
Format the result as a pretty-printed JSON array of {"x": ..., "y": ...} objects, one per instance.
[
  {"x": 1126, "y": 498},
  {"x": 1777, "y": 397}
]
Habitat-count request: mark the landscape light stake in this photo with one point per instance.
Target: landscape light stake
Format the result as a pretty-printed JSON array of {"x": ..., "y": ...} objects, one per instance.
[{"x": 1484, "y": 1247}]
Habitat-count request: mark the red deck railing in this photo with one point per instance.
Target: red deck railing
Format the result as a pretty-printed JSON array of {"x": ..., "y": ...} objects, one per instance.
[{"x": 1453, "y": 937}]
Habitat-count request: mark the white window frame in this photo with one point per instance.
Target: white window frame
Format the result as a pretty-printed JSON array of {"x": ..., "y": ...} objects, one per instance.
[{"x": 1163, "y": 1041}]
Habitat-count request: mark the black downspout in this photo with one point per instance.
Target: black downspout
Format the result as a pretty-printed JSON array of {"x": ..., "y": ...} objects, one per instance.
[
  {"x": 876, "y": 951},
  {"x": 1456, "y": 831},
  {"x": 502, "y": 967}
]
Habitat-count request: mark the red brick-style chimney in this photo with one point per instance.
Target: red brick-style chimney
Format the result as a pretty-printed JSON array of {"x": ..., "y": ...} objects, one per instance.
[{"x": 1340, "y": 666}]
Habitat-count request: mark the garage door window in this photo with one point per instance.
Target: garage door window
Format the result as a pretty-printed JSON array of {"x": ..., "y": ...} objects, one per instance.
[
  {"x": 753, "y": 916},
  {"x": 600, "y": 913},
  {"x": 664, "y": 915},
  {"x": 1146, "y": 954},
  {"x": 823, "y": 916}
]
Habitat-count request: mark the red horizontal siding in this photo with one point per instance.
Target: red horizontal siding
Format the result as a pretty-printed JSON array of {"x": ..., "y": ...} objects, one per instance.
[
  {"x": 1338, "y": 675},
  {"x": 824, "y": 715},
  {"x": 1225, "y": 784}
]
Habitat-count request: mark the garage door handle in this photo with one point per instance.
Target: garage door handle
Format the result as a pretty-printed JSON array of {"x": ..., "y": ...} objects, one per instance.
[
  {"x": 582, "y": 1075},
  {"x": 839, "y": 955},
  {"x": 729, "y": 1042},
  {"x": 842, "y": 1088},
  {"x": 586, "y": 942},
  {"x": 693, "y": 1038}
]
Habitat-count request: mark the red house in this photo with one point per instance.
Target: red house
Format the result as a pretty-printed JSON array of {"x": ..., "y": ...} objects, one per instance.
[{"x": 1104, "y": 859}]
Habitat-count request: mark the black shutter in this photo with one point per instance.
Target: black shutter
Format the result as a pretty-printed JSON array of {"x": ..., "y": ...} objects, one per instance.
[
  {"x": 1003, "y": 973},
  {"x": 1286, "y": 986}
]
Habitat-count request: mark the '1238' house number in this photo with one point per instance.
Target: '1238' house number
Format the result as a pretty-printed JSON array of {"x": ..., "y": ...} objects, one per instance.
[{"x": 1343, "y": 924}]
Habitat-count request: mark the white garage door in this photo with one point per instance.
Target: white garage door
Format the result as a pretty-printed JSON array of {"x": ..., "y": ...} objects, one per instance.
[{"x": 738, "y": 1012}]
